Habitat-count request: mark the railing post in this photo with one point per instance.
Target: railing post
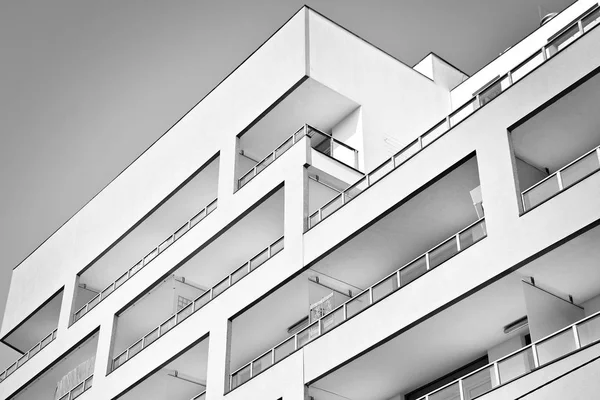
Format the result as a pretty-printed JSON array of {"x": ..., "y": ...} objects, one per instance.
[
  {"x": 371, "y": 295},
  {"x": 356, "y": 159},
  {"x": 576, "y": 337},
  {"x": 544, "y": 54},
  {"x": 230, "y": 382},
  {"x": 344, "y": 312},
  {"x": 273, "y": 356},
  {"x": 305, "y": 130},
  {"x": 398, "y": 278},
  {"x": 211, "y": 297},
  {"x": 598, "y": 153},
  {"x": 478, "y": 100},
  {"x": 331, "y": 146},
  {"x": 343, "y": 198},
  {"x": 427, "y": 261},
  {"x": 448, "y": 122},
  {"x": 229, "y": 281},
  {"x": 461, "y": 389},
  {"x": 249, "y": 270},
  {"x": 320, "y": 215},
  {"x": 420, "y": 142},
  {"x": 296, "y": 342},
  {"x": 458, "y": 241},
  {"x": 509, "y": 76},
  {"x": 523, "y": 202},
  {"x": 393, "y": 160},
  {"x": 269, "y": 252},
  {"x": 497, "y": 373},
  {"x": 251, "y": 368},
  {"x": 559, "y": 179},
  {"x": 319, "y": 327},
  {"x": 580, "y": 26},
  {"x": 534, "y": 353}
]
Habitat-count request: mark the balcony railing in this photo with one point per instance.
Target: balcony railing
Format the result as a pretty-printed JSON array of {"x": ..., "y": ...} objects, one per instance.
[
  {"x": 521, "y": 362},
  {"x": 27, "y": 356},
  {"x": 320, "y": 141},
  {"x": 201, "y": 396},
  {"x": 79, "y": 389},
  {"x": 584, "y": 24},
  {"x": 386, "y": 286},
  {"x": 198, "y": 303},
  {"x": 145, "y": 261},
  {"x": 567, "y": 176}
]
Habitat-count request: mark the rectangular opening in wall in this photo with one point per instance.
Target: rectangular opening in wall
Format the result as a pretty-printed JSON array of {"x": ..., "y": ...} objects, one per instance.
[
  {"x": 438, "y": 223},
  {"x": 183, "y": 378},
  {"x": 68, "y": 378},
  {"x": 242, "y": 248},
  {"x": 179, "y": 213},
  {"x": 34, "y": 334},
  {"x": 283, "y": 126},
  {"x": 559, "y": 145}
]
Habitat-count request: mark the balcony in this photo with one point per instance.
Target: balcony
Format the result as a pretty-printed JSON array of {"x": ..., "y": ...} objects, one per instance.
[
  {"x": 180, "y": 212},
  {"x": 182, "y": 378},
  {"x": 537, "y": 316},
  {"x": 68, "y": 378},
  {"x": 571, "y": 33},
  {"x": 211, "y": 270},
  {"x": 34, "y": 334},
  {"x": 559, "y": 146},
  {"x": 434, "y": 226}
]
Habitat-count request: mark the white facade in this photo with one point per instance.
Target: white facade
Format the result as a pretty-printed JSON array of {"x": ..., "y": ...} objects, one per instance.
[{"x": 504, "y": 164}]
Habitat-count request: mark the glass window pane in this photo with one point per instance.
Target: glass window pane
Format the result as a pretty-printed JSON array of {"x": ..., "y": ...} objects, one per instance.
[
  {"x": 261, "y": 364},
  {"x": 581, "y": 169},
  {"x": 589, "y": 331},
  {"x": 385, "y": 287},
  {"x": 412, "y": 271},
  {"x": 478, "y": 383},
  {"x": 540, "y": 193},
  {"x": 357, "y": 304},
  {"x": 407, "y": 153},
  {"x": 284, "y": 349},
  {"x": 442, "y": 253},
  {"x": 556, "y": 346},
  {"x": 516, "y": 365},
  {"x": 332, "y": 319},
  {"x": 381, "y": 171},
  {"x": 472, "y": 235},
  {"x": 525, "y": 68},
  {"x": 451, "y": 392}
]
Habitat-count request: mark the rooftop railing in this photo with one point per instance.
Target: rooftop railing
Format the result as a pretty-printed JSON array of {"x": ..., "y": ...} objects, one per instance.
[
  {"x": 521, "y": 362},
  {"x": 79, "y": 389},
  {"x": 198, "y": 303},
  {"x": 381, "y": 289},
  {"x": 27, "y": 356},
  {"x": 567, "y": 176},
  {"x": 320, "y": 141},
  {"x": 572, "y": 32},
  {"x": 77, "y": 315}
]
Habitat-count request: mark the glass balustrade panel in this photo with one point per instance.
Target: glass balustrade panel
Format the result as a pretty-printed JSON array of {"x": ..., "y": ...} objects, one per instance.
[
  {"x": 385, "y": 287},
  {"x": 463, "y": 112},
  {"x": 580, "y": 169},
  {"x": 381, "y": 171},
  {"x": 408, "y": 152},
  {"x": 198, "y": 217},
  {"x": 264, "y": 163},
  {"x": 343, "y": 153},
  {"x": 167, "y": 325},
  {"x": 413, "y": 270},
  {"x": 107, "y": 291},
  {"x": 135, "y": 348},
  {"x": 435, "y": 132},
  {"x": 285, "y": 349},
  {"x": 77, "y": 391},
  {"x": 472, "y": 235},
  {"x": 181, "y": 231},
  {"x": 246, "y": 178},
  {"x": 202, "y": 300},
  {"x": 313, "y": 220},
  {"x": 356, "y": 189},
  {"x": 332, "y": 319},
  {"x": 164, "y": 245},
  {"x": 443, "y": 253},
  {"x": 516, "y": 365},
  {"x": 185, "y": 312},
  {"x": 331, "y": 207},
  {"x": 589, "y": 331},
  {"x": 357, "y": 304},
  {"x": 591, "y": 20},
  {"x": 259, "y": 259},
  {"x": 242, "y": 376},
  {"x": 540, "y": 193},
  {"x": 308, "y": 334},
  {"x": 239, "y": 273},
  {"x": 556, "y": 346},
  {"x": 451, "y": 392},
  {"x": 88, "y": 383},
  {"x": 562, "y": 41},
  {"x": 478, "y": 383},
  {"x": 276, "y": 247},
  {"x": 262, "y": 363},
  {"x": 284, "y": 147},
  {"x": 120, "y": 280},
  {"x": 150, "y": 337},
  {"x": 526, "y": 67},
  {"x": 220, "y": 287},
  {"x": 211, "y": 207}
]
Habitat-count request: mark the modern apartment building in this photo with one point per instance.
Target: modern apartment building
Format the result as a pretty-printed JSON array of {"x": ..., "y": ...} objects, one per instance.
[{"x": 330, "y": 223}]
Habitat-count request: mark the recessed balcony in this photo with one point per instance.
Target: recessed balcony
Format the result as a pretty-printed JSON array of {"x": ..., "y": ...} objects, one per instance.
[
  {"x": 212, "y": 270},
  {"x": 180, "y": 212}
]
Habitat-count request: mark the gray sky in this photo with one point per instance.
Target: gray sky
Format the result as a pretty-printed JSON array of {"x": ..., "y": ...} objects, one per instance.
[{"x": 88, "y": 85}]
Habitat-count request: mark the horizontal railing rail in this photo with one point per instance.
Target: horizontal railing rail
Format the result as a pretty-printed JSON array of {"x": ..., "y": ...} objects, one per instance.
[
  {"x": 305, "y": 130},
  {"x": 565, "y": 177},
  {"x": 77, "y": 315},
  {"x": 584, "y": 24},
  {"x": 79, "y": 389},
  {"x": 376, "y": 292},
  {"x": 200, "y": 396},
  {"x": 198, "y": 303},
  {"x": 28, "y": 355},
  {"x": 565, "y": 341}
]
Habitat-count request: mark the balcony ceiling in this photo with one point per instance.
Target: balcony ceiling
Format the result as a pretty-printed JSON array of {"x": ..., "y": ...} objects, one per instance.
[{"x": 562, "y": 132}]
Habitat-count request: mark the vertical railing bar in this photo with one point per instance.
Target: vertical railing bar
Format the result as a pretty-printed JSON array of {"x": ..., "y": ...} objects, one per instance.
[
  {"x": 320, "y": 215},
  {"x": 398, "y": 278},
  {"x": 544, "y": 55},
  {"x": 461, "y": 389},
  {"x": 371, "y": 295},
  {"x": 560, "y": 181},
  {"x": 497, "y": 373},
  {"x": 427, "y": 261},
  {"x": 295, "y": 342},
  {"x": 534, "y": 353},
  {"x": 420, "y": 142},
  {"x": 344, "y": 312},
  {"x": 576, "y": 337},
  {"x": 458, "y": 242},
  {"x": 510, "y": 78},
  {"x": 273, "y": 356},
  {"x": 580, "y": 26}
]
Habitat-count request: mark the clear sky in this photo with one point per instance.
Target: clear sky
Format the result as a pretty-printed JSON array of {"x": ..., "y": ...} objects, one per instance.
[{"x": 88, "y": 85}]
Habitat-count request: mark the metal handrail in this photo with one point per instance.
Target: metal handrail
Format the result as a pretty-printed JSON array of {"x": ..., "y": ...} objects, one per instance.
[
  {"x": 533, "y": 346},
  {"x": 198, "y": 396},
  {"x": 94, "y": 301},
  {"x": 82, "y": 385},
  {"x": 447, "y": 120},
  {"x": 558, "y": 173},
  {"x": 318, "y": 322},
  {"x": 196, "y": 305},
  {"x": 28, "y": 355}
]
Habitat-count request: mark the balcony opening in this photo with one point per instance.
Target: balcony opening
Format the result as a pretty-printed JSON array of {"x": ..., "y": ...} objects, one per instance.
[
  {"x": 559, "y": 146},
  {"x": 34, "y": 334},
  {"x": 180, "y": 212},
  {"x": 183, "y": 378},
  {"x": 66, "y": 379},
  {"x": 333, "y": 130},
  {"x": 529, "y": 319},
  {"x": 214, "y": 268},
  {"x": 418, "y": 236}
]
